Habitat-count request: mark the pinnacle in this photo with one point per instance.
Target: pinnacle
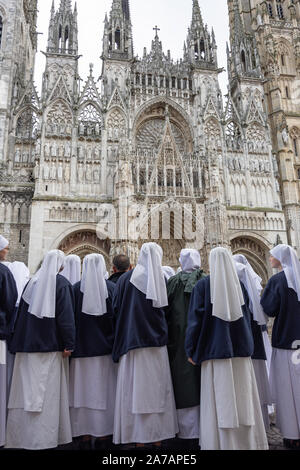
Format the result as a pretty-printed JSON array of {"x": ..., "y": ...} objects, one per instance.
[
  {"x": 238, "y": 25},
  {"x": 65, "y": 5},
  {"x": 197, "y": 16}
]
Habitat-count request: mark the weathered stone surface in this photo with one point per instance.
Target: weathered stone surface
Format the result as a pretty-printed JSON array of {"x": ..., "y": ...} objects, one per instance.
[{"x": 157, "y": 133}]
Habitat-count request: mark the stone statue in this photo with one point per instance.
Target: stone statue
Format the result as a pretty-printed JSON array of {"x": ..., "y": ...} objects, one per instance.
[
  {"x": 53, "y": 172},
  {"x": 46, "y": 171},
  {"x": 215, "y": 178},
  {"x": 96, "y": 176},
  {"x": 285, "y": 136},
  {"x": 88, "y": 173},
  {"x": 81, "y": 152},
  {"x": 18, "y": 155},
  {"x": 125, "y": 173},
  {"x": 53, "y": 150},
  {"x": 80, "y": 173},
  {"x": 67, "y": 174},
  {"x": 275, "y": 164},
  {"x": 36, "y": 171},
  {"x": 259, "y": 20},
  {"x": 60, "y": 173}
]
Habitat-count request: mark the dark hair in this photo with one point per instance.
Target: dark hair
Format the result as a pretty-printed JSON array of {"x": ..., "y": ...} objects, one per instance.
[{"x": 121, "y": 263}]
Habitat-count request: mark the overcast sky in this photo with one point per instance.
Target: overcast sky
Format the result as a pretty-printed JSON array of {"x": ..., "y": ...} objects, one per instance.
[{"x": 173, "y": 17}]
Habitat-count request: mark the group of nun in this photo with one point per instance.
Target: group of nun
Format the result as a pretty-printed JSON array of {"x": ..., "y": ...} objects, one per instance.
[{"x": 152, "y": 356}]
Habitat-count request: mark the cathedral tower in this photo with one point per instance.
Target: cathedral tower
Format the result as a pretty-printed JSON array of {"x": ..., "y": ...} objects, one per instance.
[
  {"x": 62, "y": 51},
  {"x": 117, "y": 41},
  {"x": 276, "y": 26},
  {"x": 201, "y": 45},
  {"x": 18, "y": 44},
  {"x": 155, "y": 150}
]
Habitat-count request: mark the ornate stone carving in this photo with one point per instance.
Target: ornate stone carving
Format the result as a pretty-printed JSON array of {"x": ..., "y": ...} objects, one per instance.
[{"x": 86, "y": 239}]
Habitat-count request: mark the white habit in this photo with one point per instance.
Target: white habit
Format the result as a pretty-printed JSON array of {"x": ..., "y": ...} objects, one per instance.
[
  {"x": 93, "y": 382},
  {"x": 188, "y": 423},
  {"x": 38, "y": 408},
  {"x": 285, "y": 387},
  {"x": 3, "y": 394},
  {"x": 263, "y": 387},
  {"x": 230, "y": 412},
  {"x": 145, "y": 406}
]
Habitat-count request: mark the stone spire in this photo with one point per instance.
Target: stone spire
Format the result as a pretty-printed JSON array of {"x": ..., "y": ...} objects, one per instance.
[
  {"x": 156, "y": 53},
  {"x": 65, "y": 6},
  {"x": 238, "y": 25},
  {"x": 197, "y": 16},
  {"x": 201, "y": 46},
  {"x": 63, "y": 29},
  {"x": 117, "y": 40},
  {"x": 126, "y": 9},
  {"x": 243, "y": 59}
]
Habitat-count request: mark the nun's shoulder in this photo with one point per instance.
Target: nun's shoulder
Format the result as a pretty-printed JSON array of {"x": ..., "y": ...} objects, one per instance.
[
  {"x": 76, "y": 286},
  {"x": 278, "y": 279},
  {"x": 203, "y": 283},
  {"x": 110, "y": 286},
  {"x": 3, "y": 269},
  {"x": 62, "y": 282}
]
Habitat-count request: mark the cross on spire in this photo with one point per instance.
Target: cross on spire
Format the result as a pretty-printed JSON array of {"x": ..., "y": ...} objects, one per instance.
[{"x": 156, "y": 29}]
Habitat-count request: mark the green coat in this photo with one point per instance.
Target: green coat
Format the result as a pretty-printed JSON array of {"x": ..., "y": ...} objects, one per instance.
[{"x": 185, "y": 376}]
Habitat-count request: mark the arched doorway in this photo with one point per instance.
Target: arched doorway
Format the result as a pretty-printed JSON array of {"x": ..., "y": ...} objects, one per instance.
[
  {"x": 85, "y": 242},
  {"x": 256, "y": 253}
]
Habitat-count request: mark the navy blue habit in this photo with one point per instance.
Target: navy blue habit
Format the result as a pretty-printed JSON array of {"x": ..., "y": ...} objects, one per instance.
[
  {"x": 138, "y": 323},
  {"x": 94, "y": 334},
  {"x": 280, "y": 302},
  {"x": 8, "y": 299},
  {"x": 36, "y": 335},
  {"x": 210, "y": 338}
]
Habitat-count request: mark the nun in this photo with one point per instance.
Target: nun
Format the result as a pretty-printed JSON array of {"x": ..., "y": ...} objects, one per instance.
[
  {"x": 44, "y": 337},
  {"x": 145, "y": 410},
  {"x": 8, "y": 299},
  {"x": 281, "y": 300},
  {"x": 21, "y": 276},
  {"x": 257, "y": 321},
  {"x": 185, "y": 377},
  {"x": 72, "y": 269},
  {"x": 93, "y": 374},
  {"x": 219, "y": 338},
  {"x": 267, "y": 343},
  {"x": 168, "y": 272}
]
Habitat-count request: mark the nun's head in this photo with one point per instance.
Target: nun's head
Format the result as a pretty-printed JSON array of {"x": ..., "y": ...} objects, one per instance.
[
  {"x": 281, "y": 256},
  {"x": 55, "y": 258},
  {"x": 190, "y": 259},
  {"x": 4, "y": 248},
  {"x": 274, "y": 262},
  {"x": 150, "y": 250}
]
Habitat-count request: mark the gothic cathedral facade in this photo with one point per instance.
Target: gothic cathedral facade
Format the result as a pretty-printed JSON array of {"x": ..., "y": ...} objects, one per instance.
[{"x": 152, "y": 145}]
